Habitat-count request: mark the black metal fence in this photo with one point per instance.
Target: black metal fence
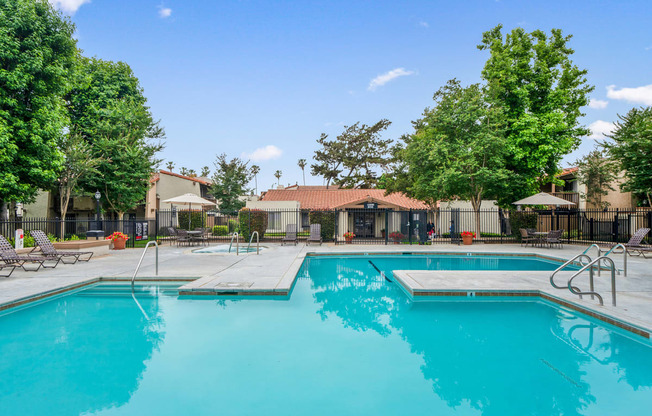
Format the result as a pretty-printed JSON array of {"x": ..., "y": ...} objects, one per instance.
[{"x": 363, "y": 226}]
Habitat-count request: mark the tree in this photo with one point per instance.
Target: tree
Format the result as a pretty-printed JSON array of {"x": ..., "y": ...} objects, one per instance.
[
  {"x": 170, "y": 165},
  {"x": 255, "y": 170},
  {"x": 108, "y": 108},
  {"x": 597, "y": 173},
  {"x": 183, "y": 171},
  {"x": 205, "y": 171},
  {"x": 532, "y": 78},
  {"x": 192, "y": 173},
  {"x": 230, "y": 182},
  {"x": 456, "y": 151},
  {"x": 278, "y": 174},
  {"x": 78, "y": 161},
  {"x": 302, "y": 165},
  {"x": 631, "y": 146},
  {"x": 38, "y": 53},
  {"x": 349, "y": 160}
]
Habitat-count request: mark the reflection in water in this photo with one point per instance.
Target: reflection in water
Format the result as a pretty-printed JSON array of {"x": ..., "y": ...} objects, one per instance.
[
  {"x": 96, "y": 346},
  {"x": 500, "y": 358}
]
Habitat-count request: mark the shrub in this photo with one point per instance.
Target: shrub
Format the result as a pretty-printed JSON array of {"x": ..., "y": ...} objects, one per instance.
[
  {"x": 233, "y": 226},
  {"x": 327, "y": 219},
  {"x": 220, "y": 230},
  {"x": 252, "y": 220},
  {"x": 197, "y": 219},
  {"x": 522, "y": 219}
]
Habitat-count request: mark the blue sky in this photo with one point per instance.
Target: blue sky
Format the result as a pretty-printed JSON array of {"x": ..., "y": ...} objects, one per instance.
[{"x": 263, "y": 79}]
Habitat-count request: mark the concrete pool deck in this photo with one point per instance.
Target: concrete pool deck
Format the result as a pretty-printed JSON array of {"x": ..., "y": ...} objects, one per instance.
[{"x": 274, "y": 270}]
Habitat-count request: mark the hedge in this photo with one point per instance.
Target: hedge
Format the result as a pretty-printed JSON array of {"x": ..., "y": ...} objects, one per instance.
[
  {"x": 327, "y": 219},
  {"x": 197, "y": 219},
  {"x": 255, "y": 218},
  {"x": 220, "y": 230},
  {"x": 522, "y": 219}
]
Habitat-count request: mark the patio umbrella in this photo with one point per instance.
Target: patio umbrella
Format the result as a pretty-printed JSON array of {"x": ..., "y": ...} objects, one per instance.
[
  {"x": 189, "y": 199},
  {"x": 543, "y": 198}
]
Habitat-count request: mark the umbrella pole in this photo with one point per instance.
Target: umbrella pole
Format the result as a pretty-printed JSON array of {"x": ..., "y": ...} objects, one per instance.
[{"x": 189, "y": 213}]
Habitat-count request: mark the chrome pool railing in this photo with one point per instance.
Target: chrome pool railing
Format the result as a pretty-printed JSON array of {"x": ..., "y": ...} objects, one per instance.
[
  {"x": 133, "y": 278},
  {"x": 581, "y": 256},
  {"x": 237, "y": 243},
  {"x": 591, "y": 291},
  {"x": 257, "y": 242}
]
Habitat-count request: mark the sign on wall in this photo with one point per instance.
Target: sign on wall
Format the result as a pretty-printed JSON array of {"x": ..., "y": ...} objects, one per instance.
[
  {"x": 370, "y": 205},
  {"x": 141, "y": 231}
]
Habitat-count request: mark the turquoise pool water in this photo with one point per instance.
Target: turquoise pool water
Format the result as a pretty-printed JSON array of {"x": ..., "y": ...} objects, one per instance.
[{"x": 346, "y": 342}]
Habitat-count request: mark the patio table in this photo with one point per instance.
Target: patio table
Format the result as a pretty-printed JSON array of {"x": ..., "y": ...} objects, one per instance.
[
  {"x": 540, "y": 237},
  {"x": 194, "y": 236}
]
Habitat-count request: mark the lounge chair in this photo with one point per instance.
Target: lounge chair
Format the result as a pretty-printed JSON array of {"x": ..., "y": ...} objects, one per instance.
[
  {"x": 554, "y": 238},
  {"x": 526, "y": 237},
  {"x": 290, "y": 234},
  {"x": 315, "y": 234},
  {"x": 12, "y": 259},
  {"x": 48, "y": 250},
  {"x": 634, "y": 244}
]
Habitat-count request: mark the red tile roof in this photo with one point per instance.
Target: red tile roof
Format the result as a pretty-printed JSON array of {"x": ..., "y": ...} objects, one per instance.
[
  {"x": 336, "y": 198},
  {"x": 157, "y": 176}
]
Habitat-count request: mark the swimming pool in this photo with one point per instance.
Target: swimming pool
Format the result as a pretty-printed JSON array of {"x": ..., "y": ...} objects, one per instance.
[{"x": 346, "y": 342}]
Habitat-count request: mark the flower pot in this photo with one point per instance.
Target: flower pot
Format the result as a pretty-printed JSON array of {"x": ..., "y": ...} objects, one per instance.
[
  {"x": 349, "y": 240},
  {"x": 119, "y": 244},
  {"x": 467, "y": 240}
]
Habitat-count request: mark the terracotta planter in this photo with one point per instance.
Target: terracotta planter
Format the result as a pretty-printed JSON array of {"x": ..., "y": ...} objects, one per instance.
[
  {"x": 119, "y": 244},
  {"x": 467, "y": 240},
  {"x": 349, "y": 240}
]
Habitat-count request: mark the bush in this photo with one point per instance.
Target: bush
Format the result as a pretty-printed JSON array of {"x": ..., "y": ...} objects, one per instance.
[
  {"x": 220, "y": 230},
  {"x": 233, "y": 226},
  {"x": 522, "y": 219},
  {"x": 255, "y": 218},
  {"x": 327, "y": 219},
  {"x": 197, "y": 219}
]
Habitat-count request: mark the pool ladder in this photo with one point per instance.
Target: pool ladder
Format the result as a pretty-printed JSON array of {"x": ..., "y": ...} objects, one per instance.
[
  {"x": 257, "y": 242},
  {"x": 133, "y": 278},
  {"x": 237, "y": 243},
  {"x": 590, "y": 265}
]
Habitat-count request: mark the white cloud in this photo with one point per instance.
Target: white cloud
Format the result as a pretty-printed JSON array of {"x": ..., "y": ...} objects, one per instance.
[
  {"x": 164, "y": 12},
  {"x": 383, "y": 79},
  {"x": 642, "y": 95},
  {"x": 68, "y": 6},
  {"x": 600, "y": 128},
  {"x": 264, "y": 153},
  {"x": 598, "y": 104},
  {"x": 424, "y": 24}
]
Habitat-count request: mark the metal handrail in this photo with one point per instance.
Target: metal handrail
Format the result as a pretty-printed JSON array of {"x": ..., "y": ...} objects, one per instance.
[
  {"x": 563, "y": 266},
  {"x": 591, "y": 289},
  {"x": 624, "y": 257},
  {"x": 257, "y": 242},
  {"x": 133, "y": 278},
  {"x": 237, "y": 243}
]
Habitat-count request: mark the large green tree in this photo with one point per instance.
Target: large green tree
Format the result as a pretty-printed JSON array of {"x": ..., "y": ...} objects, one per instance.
[
  {"x": 37, "y": 52},
  {"x": 457, "y": 150},
  {"x": 532, "y": 78},
  {"x": 230, "y": 182},
  {"x": 352, "y": 159},
  {"x": 597, "y": 172},
  {"x": 631, "y": 147},
  {"x": 108, "y": 108}
]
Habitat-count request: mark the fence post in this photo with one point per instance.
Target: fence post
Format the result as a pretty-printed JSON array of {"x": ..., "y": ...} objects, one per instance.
[
  {"x": 591, "y": 229},
  {"x": 615, "y": 227},
  {"x": 409, "y": 226},
  {"x": 386, "y": 226}
]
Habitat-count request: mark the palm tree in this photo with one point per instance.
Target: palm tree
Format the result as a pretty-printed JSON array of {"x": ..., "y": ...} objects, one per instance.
[
  {"x": 278, "y": 174},
  {"x": 302, "y": 165},
  {"x": 183, "y": 171},
  {"x": 205, "y": 171},
  {"x": 170, "y": 165},
  {"x": 255, "y": 170}
]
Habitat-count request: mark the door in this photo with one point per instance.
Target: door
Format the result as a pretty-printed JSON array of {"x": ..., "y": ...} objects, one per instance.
[{"x": 364, "y": 224}]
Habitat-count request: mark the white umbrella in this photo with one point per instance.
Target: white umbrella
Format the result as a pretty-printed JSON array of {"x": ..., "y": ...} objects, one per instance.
[
  {"x": 543, "y": 198},
  {"x": 189, "y": 199}
]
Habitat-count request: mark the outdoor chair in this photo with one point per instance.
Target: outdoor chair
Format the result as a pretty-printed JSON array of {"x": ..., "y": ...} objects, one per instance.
[
  {"x": 634, "y": 244},
  {"x": 48, "y": 250},
  {"x": 526, "y": 237},
  {"x": 315, "y": 234},
  {"x": 554, "y": 238},
  {"x": 203, "y": 237},
  {"x": 7, "y": 266},
  {"x": 11, "y": 258},
  {"x": 182, "y": 237},
  {"x": 290, "y": 234},
  {"x": 172, "y": 234}
]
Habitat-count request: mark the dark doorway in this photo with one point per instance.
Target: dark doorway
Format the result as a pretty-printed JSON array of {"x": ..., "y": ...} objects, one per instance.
[{"x": 364, "y": 224}]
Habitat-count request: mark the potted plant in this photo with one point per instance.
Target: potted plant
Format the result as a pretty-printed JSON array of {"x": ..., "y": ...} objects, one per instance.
[
  {"x": 467, "y": 237},
  {"x": 119, "y": 239},
  {"x": 349, "y": 237},
  {"x": 382, "y": 232},
  {"x": 396, "y": 236}
]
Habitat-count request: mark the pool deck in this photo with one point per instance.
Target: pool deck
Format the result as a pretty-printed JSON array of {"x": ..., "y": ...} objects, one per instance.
[{"x": 274, "y": 270}]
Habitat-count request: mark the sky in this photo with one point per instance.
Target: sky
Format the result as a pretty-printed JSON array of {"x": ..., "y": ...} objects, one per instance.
[{"x": 261, "y": 80}]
